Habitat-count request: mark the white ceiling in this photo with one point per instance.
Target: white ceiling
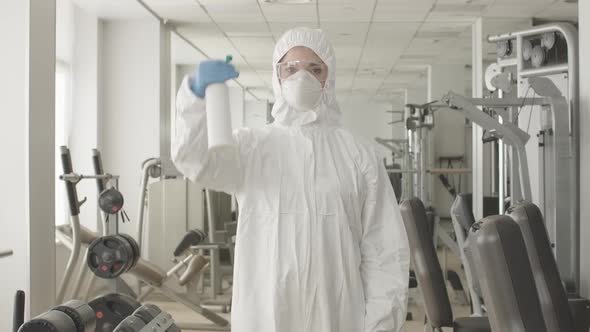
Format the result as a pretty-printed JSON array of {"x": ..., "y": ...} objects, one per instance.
[
  {"x": 114, "y": 9},
  {"x": 382, "y": 46}
]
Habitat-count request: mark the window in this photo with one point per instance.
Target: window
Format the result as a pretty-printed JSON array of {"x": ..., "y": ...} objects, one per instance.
[{"x": 62, "y": 111}]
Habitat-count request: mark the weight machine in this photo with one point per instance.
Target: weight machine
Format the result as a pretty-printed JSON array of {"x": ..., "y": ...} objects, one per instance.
[
  {"x": 110, "y": 256},
  {"x": 154, "y": 199},
  {"x": 497, "y": 122},
  {"x": 416, "y": 171},
  {"x": 399, "y": 151},
  {"x": 543, "y": 61},
  {"x": 540, "y": 65}
]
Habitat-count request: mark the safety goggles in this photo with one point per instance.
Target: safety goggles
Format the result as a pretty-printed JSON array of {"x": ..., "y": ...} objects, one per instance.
[{"x": 288, "y": 68}]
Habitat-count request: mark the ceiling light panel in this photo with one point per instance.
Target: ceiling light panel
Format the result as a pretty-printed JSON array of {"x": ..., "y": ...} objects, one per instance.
[
  {"x": 254, "y": 47},
  {"x": 223, "y": 11},
  {"x": 242, "y": 29},
  {"x": 256, "y": 51},
  {"x": 279, "y": 28},
  {"x": 201, "y": 30},
  {"x": 347, "y": 57},
  {"x": 443, "y": 30},
  {"x": 275, "y": 12},
  {"x": 346, "y": 34},
  {"x": 346, "y": 11},
  {"x": 454, "y": 12},
  {"x": 179, "y": 11},
  {"x": 402, "y": 10},
  {"x": 391, "y": 34},
  {"x": 347, "y": 40},
  {"x": 373, "y": 57},
  {"x": 429, "y": 46},
  {"x": 386, "y": 42}
]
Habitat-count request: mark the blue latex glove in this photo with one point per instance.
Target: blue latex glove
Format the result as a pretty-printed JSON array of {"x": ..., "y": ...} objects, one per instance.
[{"x": 210, "y": 72}]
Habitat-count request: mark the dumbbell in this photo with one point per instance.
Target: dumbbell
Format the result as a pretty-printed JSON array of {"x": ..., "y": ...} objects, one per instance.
[
  {"x": 112, "y": 255},
  {"x": 148, "y": 318},
  {"x": 112, "y": 309},
  {"x": 72, "y": 316},
  {"x": 111, "y": 200}
]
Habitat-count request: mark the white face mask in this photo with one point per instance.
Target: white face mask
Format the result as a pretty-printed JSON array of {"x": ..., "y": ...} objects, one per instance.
[{"x": 302, "y": 91}]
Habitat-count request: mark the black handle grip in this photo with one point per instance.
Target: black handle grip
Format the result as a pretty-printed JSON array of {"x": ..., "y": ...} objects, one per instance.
[
  {"x": 98, "y": 170},
  {"x": 66, "y": 163},
  {"x": 445, "y": 182},
  {"x": 191, "y": 238},
  {"x": 19, "y": 310},
  {"x": 489, "y": 139}
]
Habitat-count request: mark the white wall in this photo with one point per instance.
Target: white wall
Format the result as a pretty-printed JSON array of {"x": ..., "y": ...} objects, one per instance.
[
  {"x": 77, "y": 45},
  {"x": 83, "y": 134},
  {"x": 12, "y": 140},
  {"x": 448, "y": 135},
  {"x": 417, "y": 96},
  {"x": 65, "y": 30},
  {"x": 130, "y": 94},
  {"x": 26, "y": 132},
  {"x": 369, "y": 119},
  {"x": 584, "y": 33}
]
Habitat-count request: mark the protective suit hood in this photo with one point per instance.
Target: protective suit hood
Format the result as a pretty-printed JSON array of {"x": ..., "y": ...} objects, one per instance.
[{"x": 328, "y": 111}]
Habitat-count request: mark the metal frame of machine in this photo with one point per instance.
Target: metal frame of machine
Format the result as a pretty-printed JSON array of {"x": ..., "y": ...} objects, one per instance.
[
  {"x": 556, "y": 190},
  {"x": 144, "y": 271},
  {"x": 159, "y": 168},
  {"x": 558, "y": 195},
  {"x": 511, "y": 135}
]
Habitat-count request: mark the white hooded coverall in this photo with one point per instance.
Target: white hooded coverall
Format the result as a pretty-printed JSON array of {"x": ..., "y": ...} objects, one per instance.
[{"x": 321, "y": 246}]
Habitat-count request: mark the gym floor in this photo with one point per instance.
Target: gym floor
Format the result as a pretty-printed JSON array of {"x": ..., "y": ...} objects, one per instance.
[{"x": 181, "y": 314}]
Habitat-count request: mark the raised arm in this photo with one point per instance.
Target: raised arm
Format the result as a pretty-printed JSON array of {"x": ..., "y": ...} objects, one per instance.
[{"x": 219, "y": 169}]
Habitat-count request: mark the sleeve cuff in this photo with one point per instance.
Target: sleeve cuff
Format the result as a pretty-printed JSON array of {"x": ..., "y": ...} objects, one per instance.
[{"x": 186, "y": 98}]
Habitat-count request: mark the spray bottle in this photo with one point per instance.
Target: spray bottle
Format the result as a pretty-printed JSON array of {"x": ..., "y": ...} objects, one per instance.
[{"x": 219, "y": 131}]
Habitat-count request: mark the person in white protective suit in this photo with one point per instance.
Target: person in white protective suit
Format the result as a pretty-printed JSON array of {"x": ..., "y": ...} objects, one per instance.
[{"x": 321, "y": 246}]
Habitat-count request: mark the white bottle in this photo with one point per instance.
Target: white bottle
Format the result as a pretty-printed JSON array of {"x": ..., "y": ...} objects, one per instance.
[{"x": 219, "y": 131}]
